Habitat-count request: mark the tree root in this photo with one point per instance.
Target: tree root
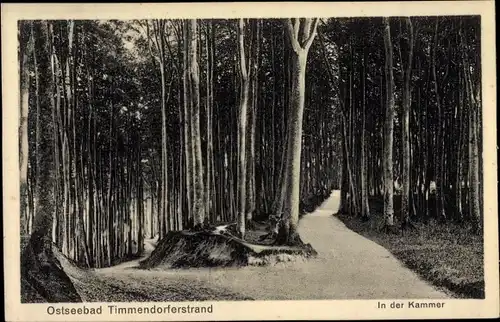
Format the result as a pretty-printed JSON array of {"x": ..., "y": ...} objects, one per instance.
[{"x": 43, "y": 274}]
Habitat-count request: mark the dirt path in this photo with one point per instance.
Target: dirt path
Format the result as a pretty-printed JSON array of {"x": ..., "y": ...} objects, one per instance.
[{"x": 348, "y": 266}]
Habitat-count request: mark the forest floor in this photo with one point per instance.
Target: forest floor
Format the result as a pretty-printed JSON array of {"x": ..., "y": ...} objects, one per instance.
[
  {"x": 348, "y": 266},
  {"x": 448, "y": 256}
]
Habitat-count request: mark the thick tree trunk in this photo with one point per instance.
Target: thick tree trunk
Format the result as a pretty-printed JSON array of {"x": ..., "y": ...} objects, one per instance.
[
  {"x": 473, "y": 162},
  {"x": 45, "y": 206},
  {"x": 302, "y": 32},
  {"x": 38, "y": 184},
  {"x": 292, "y": 169},
  {"x": 38, "y": 266},
  {"x": 26, "y": 49}
]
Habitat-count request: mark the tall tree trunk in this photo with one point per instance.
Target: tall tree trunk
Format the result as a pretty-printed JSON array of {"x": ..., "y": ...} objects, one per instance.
[
  {"x": 301, "y": 33},
  {"x": 459, "y": 129},
  {"x": 405, "y": 211},
  {"x": 439, "y": 137},
  {"x": 37, "y": 128},
  {"x": 27, "y": 47},
  {"x": 388, "y": 128},
  {"x": 139, "y": 195},
  {"x": 473, "y": 162},
  {"x": 188, "y": 161},
  {"x": 110, "y": 211},
  {"x": 252, "y": 115},
  {"x": 242, "y": 129},
  {"x": 365, "y": 207},
  {"x": 209, "y": 37},
  {"x": 474, "y": 173},
  {"x": 37, "y": 263},
  {"x": 198, "y": 202},
  {"x": 164, "y": 158}
]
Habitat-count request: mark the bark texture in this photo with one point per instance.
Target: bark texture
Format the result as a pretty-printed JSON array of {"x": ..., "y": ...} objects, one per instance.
[{"x": 388, "y": 128}]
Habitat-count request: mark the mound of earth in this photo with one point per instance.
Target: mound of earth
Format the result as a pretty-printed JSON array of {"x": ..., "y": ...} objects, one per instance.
[
  {"x": 42, "y": 277},
  {"x": 211, "y": 249}
]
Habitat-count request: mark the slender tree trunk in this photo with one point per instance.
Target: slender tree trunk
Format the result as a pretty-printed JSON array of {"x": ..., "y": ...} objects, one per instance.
[
  {"x": 474, "y": 169},
  {"x": 188, "y": 161},
  {"x": 388, "y": 128},
  {"x": 111, "y": 215},
  {"x": 351, "y": 151},
  {"x": 164, "y": 157},
  {"x": 37, "y": 188},
  {"x": 192, "y": 73},
  {"x": 405, "y": 211},
  {"x": 242, "y": 130},
  {"x": 439, "y": 137},
  {"x": 459, "y": 129},
  {"x": 365, "y": 207},
  {"x": 252, "y": 115},
  {"x": 209, "y": 115},
  {"x": 350, "y": 195}
]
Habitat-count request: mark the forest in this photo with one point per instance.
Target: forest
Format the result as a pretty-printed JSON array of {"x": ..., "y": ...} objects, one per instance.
[{"x": 135, "y": 130}]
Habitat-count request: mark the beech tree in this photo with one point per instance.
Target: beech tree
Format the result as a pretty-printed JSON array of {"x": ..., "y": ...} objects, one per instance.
[
  {"x": 301, "y": 33},
  {"x": 253, "y": 68},
  {"x": 245, "y": 71},
  {"x": 192, "y": 107},
  {"x": 388, "y": 128},
  {"x": 405, "y": 215},
  {"x": 25, "y": 49}
]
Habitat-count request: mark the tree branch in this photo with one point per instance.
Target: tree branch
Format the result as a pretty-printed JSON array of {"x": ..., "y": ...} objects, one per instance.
[
  {"x": 312, "y": 34},
  {"x": 296, "y": 25},
  {"x": 169, "y": 48},
  {"x": 293, "y": 39}
]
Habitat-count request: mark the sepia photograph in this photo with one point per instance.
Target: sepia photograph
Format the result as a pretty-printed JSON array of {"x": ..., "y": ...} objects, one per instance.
[{"x": 177, "y": 162}]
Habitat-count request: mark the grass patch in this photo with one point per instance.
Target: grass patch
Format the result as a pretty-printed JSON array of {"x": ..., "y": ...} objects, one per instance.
[{"x": 446, "y": 255}]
